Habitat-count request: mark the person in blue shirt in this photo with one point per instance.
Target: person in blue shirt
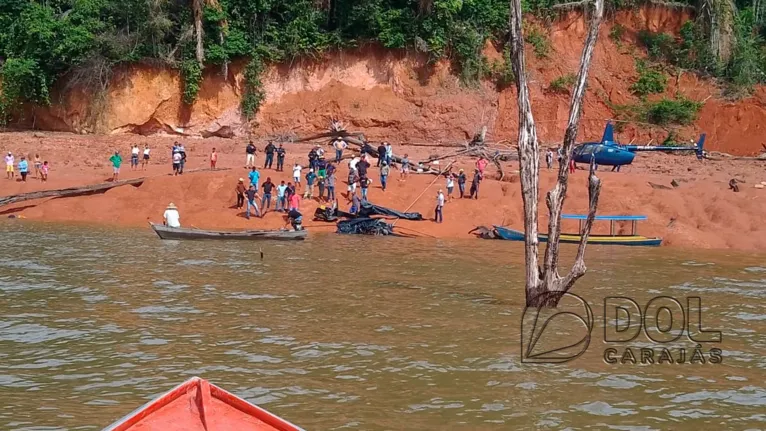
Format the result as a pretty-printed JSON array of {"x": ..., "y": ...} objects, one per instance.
[
  {"x": 310, "y": 179},
  {"x": 23, "y": 168},
  {"x": 254, "y": 177}
]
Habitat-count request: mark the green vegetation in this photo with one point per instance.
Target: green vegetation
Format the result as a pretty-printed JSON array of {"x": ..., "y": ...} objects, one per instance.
[
  {"x": 616, "y": 33},
  {"x": 60, "y": 44},
  {"x": 651, "y": 80},
  {"x": 539, "y": 42},
  {"x": 254, "y": 93},
  {"x": 662, "y": 112},
  {"x": 563, "y": 83}
]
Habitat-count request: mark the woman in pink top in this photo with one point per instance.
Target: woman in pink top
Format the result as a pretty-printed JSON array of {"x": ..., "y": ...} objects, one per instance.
[
  {"x": 44, "y": 171},
  {"x": 480, "y": 165}
]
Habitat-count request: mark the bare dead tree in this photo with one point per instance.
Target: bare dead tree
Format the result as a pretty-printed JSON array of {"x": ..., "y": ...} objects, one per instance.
[{"x": 544, "y": 286}]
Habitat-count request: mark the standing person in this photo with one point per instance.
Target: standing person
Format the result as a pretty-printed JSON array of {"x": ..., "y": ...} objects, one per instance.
[
  {"x": 384, "y": 171},
  {"x": 213, "y": 158},
  {"x": 389, "y": 153},
  {"x": 269, "y": 150},
  {"x": 171, "y": 217},
  {"x": 254, "y": 176},
  {"x": 450, "y": 185},
  {"x": 297, "y": 174},
  {"x": 266, "y": 200},
  {"x": 549, "y": 158},
  {"x": 356, "y": 204},
  {"x": 281, "y": 158},
  {"x": 176, "y": 161},
  {"x": 381, "y": 154},
  {"x": 116, "y": 160},
  {"x": 364, "y": 182},
  {"x": 182, "y": 151},
  {"x": 339, "y": 145},
  {"x": 405, "y": 167},
  {"x": 331, "y": 187},
  {"x": 44, "y": 171},
  {"x": 38, "y": 165},
  {"x": 240, "y": 191},
  {"x": 310, "y": 178},
  {"x": 9, "y": 162},
  {"x": 250, "y": 152},
  {"x": 281, "y": 205},
  {"x": 353, "y": 178},
  {"x": 480, "y": 165},
  {"x": 572, "y": 166},
  {"x": 134, "y": 157},
  {"x": 438, "y": 216},
  {"x": 313, "y": 157},
  {"x": 320, "y": 153},
  {"x": 321, "y": 185},
  {"x": 461, "y": 178},
  {"x": 252, "y": 195},
  {"x": 145, "y": 160},
  {"x": 362, "y": 167},
  {"x": 353, "y": 162},
  {"x": 294, "y": 201},
  {"x": 23, "y": 168},
  {"x": 475, "y": 184}
]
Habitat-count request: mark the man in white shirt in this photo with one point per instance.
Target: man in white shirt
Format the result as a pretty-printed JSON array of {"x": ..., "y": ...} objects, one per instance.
[
  {"x": 171, "y": 216},
  {"x": 438, "y": 218},
  {"x": 9, "y": 159},
  {"x": 134, "y": 157}
]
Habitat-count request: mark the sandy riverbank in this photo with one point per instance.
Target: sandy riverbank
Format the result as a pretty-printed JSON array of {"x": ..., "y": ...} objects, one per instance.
[{"x": 701, "y": 213}]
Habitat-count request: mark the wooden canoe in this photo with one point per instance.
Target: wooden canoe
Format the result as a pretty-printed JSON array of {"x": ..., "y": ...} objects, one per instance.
[
  {"x": 197, "y": 405},
  {"x": 166, "y": 232}
]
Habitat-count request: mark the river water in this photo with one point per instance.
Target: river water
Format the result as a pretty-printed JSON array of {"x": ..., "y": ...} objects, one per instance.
[{"x": 354, "y": 333}]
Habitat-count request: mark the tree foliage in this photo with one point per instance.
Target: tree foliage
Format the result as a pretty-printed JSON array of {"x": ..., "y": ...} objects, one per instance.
[{"x": 58, "y": 43}]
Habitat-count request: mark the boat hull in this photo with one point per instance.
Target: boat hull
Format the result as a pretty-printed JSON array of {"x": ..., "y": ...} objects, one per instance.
[
  {"x": 629, "y": 240},
  {"x": 199, "y": 405},
  {"x": 165, "y": 232}
]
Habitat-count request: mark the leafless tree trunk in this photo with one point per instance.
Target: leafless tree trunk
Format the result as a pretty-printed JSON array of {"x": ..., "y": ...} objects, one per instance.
[
  {"x": 544, "y": 286},
  {"x": 197, "y": 6}
]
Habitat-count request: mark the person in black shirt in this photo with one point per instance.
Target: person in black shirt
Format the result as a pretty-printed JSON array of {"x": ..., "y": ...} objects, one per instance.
[
  {"x": 313, "y": 158},
  {"x": 269, "y": 150},
  {"x": 250, "y": 150},
  {"x": 295, "y": 218},
  {"x": 266, "y": 200},
  {"x": 475, "y": 184},
  {"x": 362, "y": 166},
  {"x": 280, "y": 158},
  {"x": 461, "y": 178},
  {"x": 381, "y": 153}
]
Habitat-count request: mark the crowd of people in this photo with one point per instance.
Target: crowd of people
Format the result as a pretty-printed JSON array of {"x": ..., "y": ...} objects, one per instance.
[{"x": 41, "y": 167}]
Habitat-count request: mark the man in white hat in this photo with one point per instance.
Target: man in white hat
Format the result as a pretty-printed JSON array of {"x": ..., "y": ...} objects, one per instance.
[
  {"x": 171, "y": 216},
  {"x": 438, "y": 218}
]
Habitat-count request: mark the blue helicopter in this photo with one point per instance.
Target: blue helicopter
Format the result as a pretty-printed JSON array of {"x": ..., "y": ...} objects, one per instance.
[{"x": 610, "y": 153}]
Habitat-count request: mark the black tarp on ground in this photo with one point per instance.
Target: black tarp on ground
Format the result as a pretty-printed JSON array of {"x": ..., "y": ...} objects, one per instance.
[
  {"x": 365, "y": 226},
  {"x": 367, "y": 210}
]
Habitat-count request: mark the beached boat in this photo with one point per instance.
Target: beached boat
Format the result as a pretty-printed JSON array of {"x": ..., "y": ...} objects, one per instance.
[
  {"x": 612, "y": 239},
  {"x": 166, "y": 232},
  {"x": 200, "y": 405}
]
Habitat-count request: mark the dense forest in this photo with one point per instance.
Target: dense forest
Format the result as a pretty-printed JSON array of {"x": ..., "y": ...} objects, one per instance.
[{"x": 66, "y": 43}]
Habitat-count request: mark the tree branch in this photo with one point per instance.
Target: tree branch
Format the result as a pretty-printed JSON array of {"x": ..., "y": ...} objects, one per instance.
[
  {"x": 529, "y": 157},
  {"x": 556, "y": 197}
]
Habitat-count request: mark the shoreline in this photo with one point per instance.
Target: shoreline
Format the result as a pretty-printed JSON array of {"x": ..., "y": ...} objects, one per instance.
[{"x": 700, "y": 213}]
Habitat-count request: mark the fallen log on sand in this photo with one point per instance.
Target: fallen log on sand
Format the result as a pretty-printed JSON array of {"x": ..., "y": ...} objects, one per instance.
[
  {"x": 84, "y": 190},
  {"x": 69, "y": 192}
]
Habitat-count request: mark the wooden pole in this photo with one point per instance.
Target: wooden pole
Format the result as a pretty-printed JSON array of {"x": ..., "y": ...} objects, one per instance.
[{"x": 424, "y": 191}]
